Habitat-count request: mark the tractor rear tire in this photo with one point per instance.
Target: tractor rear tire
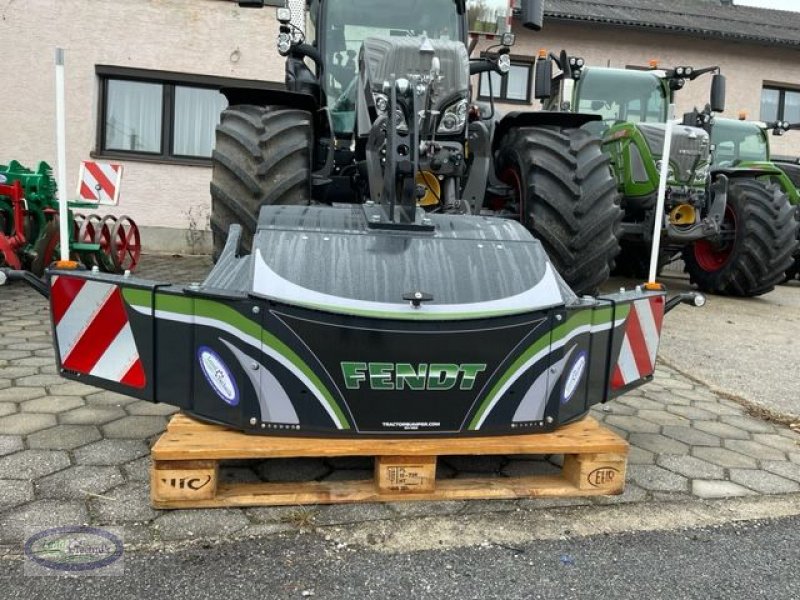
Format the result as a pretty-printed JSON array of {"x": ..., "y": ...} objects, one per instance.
[
  {"x": 262, "y": 157},
  {"x": 568, "y": 195},
  {"x": 762, "y": 224},
  {"x": 794, "y": 270}
]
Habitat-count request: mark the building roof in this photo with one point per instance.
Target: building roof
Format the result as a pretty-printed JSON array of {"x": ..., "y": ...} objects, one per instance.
[{"x": 690, "y": 17}]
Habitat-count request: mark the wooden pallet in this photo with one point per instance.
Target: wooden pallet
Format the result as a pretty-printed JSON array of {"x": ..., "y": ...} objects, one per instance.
[{"x": 185, "y": 470}]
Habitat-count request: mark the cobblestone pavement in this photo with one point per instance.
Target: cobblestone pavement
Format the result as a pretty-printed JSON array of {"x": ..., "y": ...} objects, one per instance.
[{"x": 70, "y": 453}]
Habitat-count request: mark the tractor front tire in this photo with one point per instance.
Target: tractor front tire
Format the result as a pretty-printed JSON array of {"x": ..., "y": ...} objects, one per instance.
[
  {"x": 756, "y": 247},
  {"x": 262, "y": 157},
  {"x": 568, "y": 195}
]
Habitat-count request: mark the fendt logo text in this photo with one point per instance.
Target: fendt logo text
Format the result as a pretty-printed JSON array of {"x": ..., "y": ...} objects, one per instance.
[{"x": 402, "y": 376}]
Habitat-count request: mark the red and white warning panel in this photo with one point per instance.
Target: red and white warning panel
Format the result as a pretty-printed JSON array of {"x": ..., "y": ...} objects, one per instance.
[
  {"x": 637, "y": 358},
  {"x": 100, "y": 182},
  {"x": 93, "y": 333}
]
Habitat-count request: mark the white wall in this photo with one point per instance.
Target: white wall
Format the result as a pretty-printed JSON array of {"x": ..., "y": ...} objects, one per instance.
[{"x": 208, "y": 37}]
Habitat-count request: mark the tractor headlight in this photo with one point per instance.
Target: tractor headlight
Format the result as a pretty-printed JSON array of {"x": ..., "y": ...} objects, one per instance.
[
  {"x": 284, "y": 43},
  {"x": 701, "y": 174},
  {"x": 381, "y": 103},
  {"x": 670, "y": 171},
  {"x": 454, "y": 118}
]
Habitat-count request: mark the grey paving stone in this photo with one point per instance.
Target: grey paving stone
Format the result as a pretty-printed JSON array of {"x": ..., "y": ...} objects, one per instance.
[
  {"x": 39, "y": 380},
  {"x": 32, "y": 464},
  {"x": 788, "y": 470},
  {"x": 30, "y": 346},
  {"x": 665, "y": 397},
  {"x": 722, "y": 430},
  {"x": 48, "y": 352},
  {"x": 64, "y": 437},
  {"x": 633, "y": 424},
  {"x": 91, "y": 415},
  {"x": 691, "y": 412},
  {"x": 138, "y": 470},
  {"x": 128, "y": 502},
  {"x": 7, "y": 408},
  {"x": 657, "y": 443},
  {"x": 475, "y": 464},
  {"x": 763, "y": 481},
  {"x": 16, "y": 372},
  {"x": 717, "y": 408},
  {"x": 339, "y": 514},
  {"x": 192, "y": 524},
  {"x": 776, "y": 441},
  {"x": 142, "y": 408},
  {"x": 632, "y": 493},
  {"x": 724, "y": 457},
  {"x": 718, "y": 489},
  {"x": 755, "y": 450},
  {"x": 71, "y": 388},
  {"x": 20, "y": 394},
  {"x": 690, "y": 466},
  {"x": 134, "y": 428},
  {"x": 109, "y": 399},
  {"x": 655, "y": 478},
  {"x": 425, "y": 508},
  {"x": 794, "y": 457},
  {"x": 663, "y": 417},
  {"x": 747, "y": 423},
  {"x": 10, "y": 444},
  {"x": 13, "y": 354},
  {"x": 5, "y": 384},
  {"x": 691, "y": 436},
  {"x": 292, "y": 469},
  {"x": 696, "y": 394},
  {"x": 52, "y": 404},
  {"x": 111, "y": 452},
  {"x": 640, "y": 403},
  {"x": 25, "y": 423},
  {"x": 33, "y": 361},
  {"x": 77, "y": 483},
  {"x": 529, "y": 468},
  {"x": 40, "y": 514},
  {"x": 14, "y": 492},
  {"x": 614, "y": 408},
  {"x": 638, "y": 456}
]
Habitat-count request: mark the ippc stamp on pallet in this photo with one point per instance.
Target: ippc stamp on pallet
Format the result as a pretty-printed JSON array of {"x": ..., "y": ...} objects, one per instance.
[{"x": 185, "y": 470}]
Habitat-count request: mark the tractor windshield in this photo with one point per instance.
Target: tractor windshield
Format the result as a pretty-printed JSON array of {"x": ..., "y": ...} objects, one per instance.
[
  {"x": 619, "y": 96},
  {"x": 345, "y": 24},
  {"x": 737, "y": 141}
]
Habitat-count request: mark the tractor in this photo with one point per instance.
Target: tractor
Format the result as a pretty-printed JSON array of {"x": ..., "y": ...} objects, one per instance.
[
  {"x": 743, "y": 143},
  {"x": 734, "y": 231},
  {"x": 371, "y": 279},
  {"x": 322, "y": 137}
]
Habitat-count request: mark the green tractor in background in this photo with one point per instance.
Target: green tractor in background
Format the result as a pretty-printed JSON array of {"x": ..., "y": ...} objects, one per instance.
[
  {"x": 735, "y": 231},
  {"x": 742, "y": 143}
]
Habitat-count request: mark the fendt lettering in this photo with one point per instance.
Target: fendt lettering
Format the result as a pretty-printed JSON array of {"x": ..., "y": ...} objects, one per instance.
[{"x": 401, "y": 376}]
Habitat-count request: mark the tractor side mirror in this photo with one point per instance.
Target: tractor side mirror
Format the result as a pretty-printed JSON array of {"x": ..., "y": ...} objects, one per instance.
[
  {"x": 543, "y": 79},
  {"x": 718, "y": 93},
  {"x": 532, "y": 14}
]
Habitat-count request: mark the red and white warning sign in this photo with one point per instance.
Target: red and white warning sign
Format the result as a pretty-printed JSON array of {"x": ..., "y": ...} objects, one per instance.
[
  {"x": 637, "y": 358},
  {"x": 100, "y": 182},
  {"x": 93, "y": 333}
]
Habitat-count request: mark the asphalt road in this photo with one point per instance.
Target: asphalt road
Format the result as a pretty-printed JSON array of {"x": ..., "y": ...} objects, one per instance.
[
  {"x": 751, "y": 560},
  {"x": 746, "y": 347}
]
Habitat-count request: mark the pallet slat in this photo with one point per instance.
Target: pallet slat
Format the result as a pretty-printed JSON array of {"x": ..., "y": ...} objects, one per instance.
[{"x": 185, "y": 471}]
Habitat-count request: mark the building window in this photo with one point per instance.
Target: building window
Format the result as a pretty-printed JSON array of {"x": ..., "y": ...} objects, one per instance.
[
  {"x": 162, "y": 116},
  {"x": 515, "y": 87},
  {"x": 780, "y": 104}
]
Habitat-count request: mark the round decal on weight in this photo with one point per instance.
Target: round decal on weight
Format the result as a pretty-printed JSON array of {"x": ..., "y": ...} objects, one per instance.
[
  {"x": 218, "y": 375},
  {"x": 574, "y": 376}
]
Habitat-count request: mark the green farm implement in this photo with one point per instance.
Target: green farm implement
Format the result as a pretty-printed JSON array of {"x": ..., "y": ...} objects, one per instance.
[{"x": 29, "y": 227}]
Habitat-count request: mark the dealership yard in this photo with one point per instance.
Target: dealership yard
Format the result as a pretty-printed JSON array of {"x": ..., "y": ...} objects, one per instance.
[{"x": 71, "y": 453}]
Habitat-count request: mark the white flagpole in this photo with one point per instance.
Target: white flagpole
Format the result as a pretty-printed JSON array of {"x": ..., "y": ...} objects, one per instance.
[
  {"x": 662, "y": 193},
  {"x": 61, "y": 143}
]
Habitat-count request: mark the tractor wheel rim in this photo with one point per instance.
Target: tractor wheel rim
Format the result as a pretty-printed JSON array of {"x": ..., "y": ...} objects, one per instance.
[{"x": 712, "y": 256}]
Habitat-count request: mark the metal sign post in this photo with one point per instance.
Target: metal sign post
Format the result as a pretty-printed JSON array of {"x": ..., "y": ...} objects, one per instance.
[
  {"x": 61, "y": 143},
  {"x": 662, "y": 193}
]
